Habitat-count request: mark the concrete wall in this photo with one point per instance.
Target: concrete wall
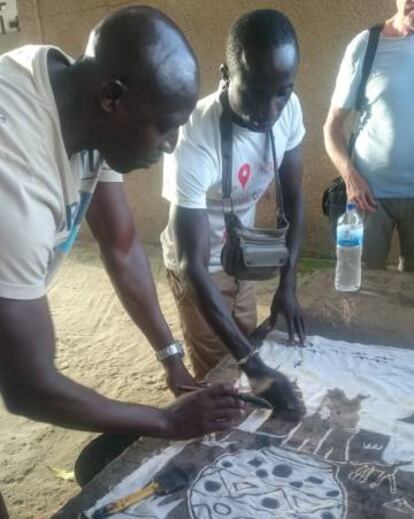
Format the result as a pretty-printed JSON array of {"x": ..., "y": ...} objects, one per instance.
[
  {"x": 324, "y": 28},
  {"x": 30, "y": 31}
]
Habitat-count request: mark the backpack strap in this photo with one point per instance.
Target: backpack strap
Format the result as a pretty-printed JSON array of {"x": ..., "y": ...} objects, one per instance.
[{"x": 373, "y": 39}]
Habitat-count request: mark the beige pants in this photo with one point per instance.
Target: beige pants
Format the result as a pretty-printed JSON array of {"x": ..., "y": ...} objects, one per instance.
[
  {"x": 391, "y": 214},
  {"x": 205, "y": 348}
]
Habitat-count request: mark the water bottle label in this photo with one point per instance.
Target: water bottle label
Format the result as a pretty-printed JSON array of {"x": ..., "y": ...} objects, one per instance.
[{"x": 349, "y": 236}]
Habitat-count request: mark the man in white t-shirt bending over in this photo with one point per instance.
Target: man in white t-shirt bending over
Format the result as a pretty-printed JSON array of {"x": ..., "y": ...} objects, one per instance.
[
  {"x": 123, "y": 101},
  {"x": 218, "y": 312}
]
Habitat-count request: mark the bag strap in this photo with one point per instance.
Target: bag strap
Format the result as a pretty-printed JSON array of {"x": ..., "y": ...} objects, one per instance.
[
  {"x": 373, "y": 39},
  {"x": 280, "y": 211},
  {"x": 226, "y": 133}
]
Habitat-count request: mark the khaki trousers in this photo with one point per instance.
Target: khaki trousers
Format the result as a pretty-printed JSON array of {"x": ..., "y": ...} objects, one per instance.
[
  {"x": 205, "y": 348},
  {"x": 391, "y": 214}
]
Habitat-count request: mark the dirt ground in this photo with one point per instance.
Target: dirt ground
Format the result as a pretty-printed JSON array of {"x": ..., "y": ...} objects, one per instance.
[{"x": 98, "y": 345}]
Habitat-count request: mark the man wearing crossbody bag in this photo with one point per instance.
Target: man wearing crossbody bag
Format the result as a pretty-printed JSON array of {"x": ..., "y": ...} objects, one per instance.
[
  {"x": 218, "y": 310},
  {"x": 379, "y": 174}
]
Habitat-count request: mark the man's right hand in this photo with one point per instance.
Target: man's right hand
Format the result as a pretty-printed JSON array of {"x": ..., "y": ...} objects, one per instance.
[
  {"x": 359, "y": 192},
  {"x": 275, "y": 387},
  {"x": 203, "y": 412}
]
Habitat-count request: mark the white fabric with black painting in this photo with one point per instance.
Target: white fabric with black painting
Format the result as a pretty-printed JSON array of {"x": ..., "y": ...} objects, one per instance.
[{"x": 351, "y": 456}]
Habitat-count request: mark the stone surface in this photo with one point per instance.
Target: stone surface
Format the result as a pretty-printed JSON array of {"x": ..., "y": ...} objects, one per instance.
[{"x": 382, "y": 312}]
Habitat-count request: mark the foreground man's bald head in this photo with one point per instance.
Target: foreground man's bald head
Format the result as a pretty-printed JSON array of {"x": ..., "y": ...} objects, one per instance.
[{"x": 139, "y": 81}]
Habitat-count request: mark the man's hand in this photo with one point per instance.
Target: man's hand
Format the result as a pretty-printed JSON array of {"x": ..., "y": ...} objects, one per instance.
[
  {"x": 359, "y": 192},
  {"x": 178, "y": 376},
  {"x": 285, "y": 302},
  {"x": 203, "y": 412},
  {"x": 357, "y": 189},
  {"x": 274, "y": 387}
]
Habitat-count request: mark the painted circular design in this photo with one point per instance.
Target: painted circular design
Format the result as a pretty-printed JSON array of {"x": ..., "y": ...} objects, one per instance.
[{"x": 255, "y": 484}]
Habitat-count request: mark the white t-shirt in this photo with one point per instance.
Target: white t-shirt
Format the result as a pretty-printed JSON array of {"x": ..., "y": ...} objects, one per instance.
[
  {"x": 384, "y": 149},
  {"x": 43, "y": 194},
  {"x": 193, "y": 173}
]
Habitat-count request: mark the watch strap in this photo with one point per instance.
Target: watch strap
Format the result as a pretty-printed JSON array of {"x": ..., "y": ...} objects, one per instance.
[{"x": 175, "y": 348}]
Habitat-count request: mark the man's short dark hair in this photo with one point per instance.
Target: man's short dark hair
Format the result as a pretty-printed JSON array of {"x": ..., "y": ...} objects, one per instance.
[{"x": 262, "y": 28}]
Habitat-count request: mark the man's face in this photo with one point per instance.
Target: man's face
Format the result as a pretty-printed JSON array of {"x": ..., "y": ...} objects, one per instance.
[
  {"x": 142, "y": 128},
  {"x": 261, "y": 86},
  {"x": 405, "y": 10}
]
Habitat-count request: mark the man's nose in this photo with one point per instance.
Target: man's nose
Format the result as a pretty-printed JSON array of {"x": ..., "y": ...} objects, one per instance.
[
  {"x": 275, "y": 108},
  {"x": 269, "y": 111},
  {"x": 170, "y": 142}
]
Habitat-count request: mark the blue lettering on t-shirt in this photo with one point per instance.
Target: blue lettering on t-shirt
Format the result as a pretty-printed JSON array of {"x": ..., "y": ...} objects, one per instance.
[{"x": 75, "y": 213}]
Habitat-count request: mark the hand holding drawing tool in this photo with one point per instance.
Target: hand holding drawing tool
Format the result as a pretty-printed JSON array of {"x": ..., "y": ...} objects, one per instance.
[
  {"x": 244, "y": 397},
  {"x": 254, "y": 400}
]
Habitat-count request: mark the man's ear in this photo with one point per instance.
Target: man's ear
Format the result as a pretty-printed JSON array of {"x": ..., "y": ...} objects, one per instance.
[
  {"x": 225, "y": 74},
  {"x": 110, "y": 95}
]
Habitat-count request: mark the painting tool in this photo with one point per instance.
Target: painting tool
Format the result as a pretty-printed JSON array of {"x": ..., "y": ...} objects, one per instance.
[
  {"x": 165, "y": 483},
  {"x": 244, "y": 397},
  {"x": 254, "y": 400}
]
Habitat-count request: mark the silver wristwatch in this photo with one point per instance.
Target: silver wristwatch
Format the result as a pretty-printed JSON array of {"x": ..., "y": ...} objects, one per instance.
[{"x": 176, "y": 348}]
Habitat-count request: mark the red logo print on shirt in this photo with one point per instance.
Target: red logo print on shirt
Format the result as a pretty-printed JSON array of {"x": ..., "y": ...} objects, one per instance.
[{"x": 244, "y": 174}]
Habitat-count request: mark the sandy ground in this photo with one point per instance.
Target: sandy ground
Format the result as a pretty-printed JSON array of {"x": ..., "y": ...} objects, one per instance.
[{"x": 98, "y": 345}]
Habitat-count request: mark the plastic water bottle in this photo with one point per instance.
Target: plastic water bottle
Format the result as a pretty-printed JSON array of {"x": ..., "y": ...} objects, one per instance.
[{"x": 349, "y": 238}]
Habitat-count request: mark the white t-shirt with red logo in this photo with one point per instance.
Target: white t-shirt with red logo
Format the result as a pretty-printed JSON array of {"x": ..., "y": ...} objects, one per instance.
[{"x": 193, "y": 173}]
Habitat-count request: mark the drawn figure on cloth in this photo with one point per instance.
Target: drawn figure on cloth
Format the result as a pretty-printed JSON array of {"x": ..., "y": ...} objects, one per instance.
[
  {"x": 328, "y": 432},
  {"x": 267, "y": 483}
]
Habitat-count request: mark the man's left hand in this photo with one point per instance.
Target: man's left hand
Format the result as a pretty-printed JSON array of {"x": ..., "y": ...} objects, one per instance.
[
  {"x": 285, "y": 302},
  {"x": 178, "y": 377}
]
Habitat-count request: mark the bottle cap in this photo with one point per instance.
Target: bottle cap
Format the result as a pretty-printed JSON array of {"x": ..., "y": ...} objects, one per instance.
[{"x": 350, "y": 206}]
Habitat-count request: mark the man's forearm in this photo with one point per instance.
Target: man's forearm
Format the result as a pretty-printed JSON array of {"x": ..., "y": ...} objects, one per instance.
[
  {"x": 62, "y": 402},
  {"x": 210, "y": 302},
  {"x": 295, "y": 215},
  {"x": 132, "y": 278},
  {"x": 357, "y": 188},
  {"x": 337, "y": 148}
]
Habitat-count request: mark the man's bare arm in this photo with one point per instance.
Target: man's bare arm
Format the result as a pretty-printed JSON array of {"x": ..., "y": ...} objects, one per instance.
[
  {"x": 357, "y": 188},
  {"x": 110, "y": 220},
  {"x": 285, "y": 300},
  {"x": 31, "y": 386},
  {"x": 191, "y": 237}
]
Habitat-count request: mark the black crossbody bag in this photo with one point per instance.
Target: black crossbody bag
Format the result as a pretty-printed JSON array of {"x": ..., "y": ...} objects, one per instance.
[
  {"x": 334, "y": 197},
  {"x": 249, "y": 253}
]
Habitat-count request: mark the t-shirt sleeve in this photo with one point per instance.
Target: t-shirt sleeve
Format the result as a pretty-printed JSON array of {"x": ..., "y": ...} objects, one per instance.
[
  {"x": 297, "y": 128},
  {"x": 26, "y": 235},
  {"x": 191, "y": 169},
  {"x": 350, "y": 73},
  {"x": 109, "y": 175}
]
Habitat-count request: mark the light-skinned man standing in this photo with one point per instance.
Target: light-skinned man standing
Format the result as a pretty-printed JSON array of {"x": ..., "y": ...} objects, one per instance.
[{"x": 379, "y": 177}]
